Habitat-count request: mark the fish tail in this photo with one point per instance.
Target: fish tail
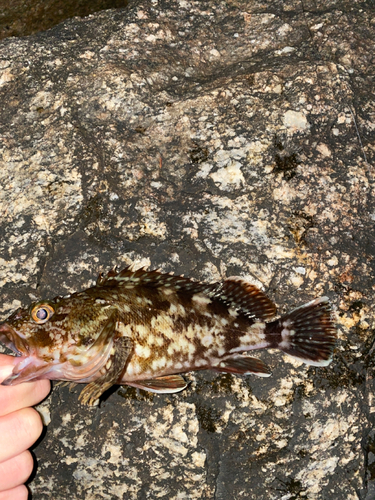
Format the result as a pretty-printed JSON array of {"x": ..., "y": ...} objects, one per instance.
[{"x": 306, "y": 333}]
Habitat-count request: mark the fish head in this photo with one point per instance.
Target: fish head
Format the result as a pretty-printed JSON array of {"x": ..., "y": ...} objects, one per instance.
[{"x": 63, "y": 339}]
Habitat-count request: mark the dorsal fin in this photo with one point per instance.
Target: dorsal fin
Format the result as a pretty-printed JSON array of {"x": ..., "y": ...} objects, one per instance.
[
  {"x": 239, "y": 294},
  {"x": 234, "y": 292},
  {"x": 152, "y": 279}
]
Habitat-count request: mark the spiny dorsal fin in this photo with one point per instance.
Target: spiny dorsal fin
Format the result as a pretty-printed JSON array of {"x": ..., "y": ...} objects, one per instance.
[
  {"x": 152, "y": 279},
  {"x": 234, "y": 292},
  {"x": 102, "y": 278}
]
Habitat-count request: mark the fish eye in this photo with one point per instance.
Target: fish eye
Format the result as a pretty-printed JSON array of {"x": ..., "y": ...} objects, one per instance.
[{"x": 42, "y": 313}]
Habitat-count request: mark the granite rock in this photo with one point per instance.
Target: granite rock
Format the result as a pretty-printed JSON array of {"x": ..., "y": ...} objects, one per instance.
[{"x": 211, "y": 139}]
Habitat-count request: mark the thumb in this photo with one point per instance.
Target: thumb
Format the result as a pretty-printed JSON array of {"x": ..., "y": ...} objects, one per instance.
[{"x": 7, "y": 363}]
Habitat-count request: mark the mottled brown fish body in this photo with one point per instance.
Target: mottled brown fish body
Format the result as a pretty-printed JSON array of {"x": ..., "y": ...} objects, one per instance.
[
  {"x": 186, "y": 341},
  {"x": 143, "y": 328}
]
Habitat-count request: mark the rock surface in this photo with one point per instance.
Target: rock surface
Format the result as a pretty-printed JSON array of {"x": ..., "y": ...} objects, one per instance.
[
  {"x": 25, "y": 17},
  {"x": 211, "y": 139}
]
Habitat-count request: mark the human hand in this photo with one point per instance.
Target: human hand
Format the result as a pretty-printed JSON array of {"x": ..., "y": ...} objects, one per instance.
[{"x": 20, "y": 427}]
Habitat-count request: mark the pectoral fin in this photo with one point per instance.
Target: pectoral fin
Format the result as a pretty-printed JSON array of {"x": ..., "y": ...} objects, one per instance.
[
  {"x": 162, "y": 385},
  {"x": 111, "y": 372},
  {"x": 64, "y": 383},
  {"x": 243, "y": 365}
]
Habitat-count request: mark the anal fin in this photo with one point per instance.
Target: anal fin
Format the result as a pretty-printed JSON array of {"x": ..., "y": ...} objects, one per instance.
[
  {"x": 243, "y": 365},
  {"x": 162, "y": 385}
]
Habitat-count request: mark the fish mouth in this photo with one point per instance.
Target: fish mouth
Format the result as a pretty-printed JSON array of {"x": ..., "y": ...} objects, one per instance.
[
  {"x": 13, "y": 340},
  {"x": 28, "y": 367},
  {"x": 79, "y": 367},
  {"x": 32, "y": 366}
]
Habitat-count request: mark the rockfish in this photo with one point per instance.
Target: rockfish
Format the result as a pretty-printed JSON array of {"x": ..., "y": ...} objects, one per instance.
[{"x": 143, "y": 328}]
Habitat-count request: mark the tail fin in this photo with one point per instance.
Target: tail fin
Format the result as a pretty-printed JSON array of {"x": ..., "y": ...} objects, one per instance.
[{"x": 308, "y": 333}]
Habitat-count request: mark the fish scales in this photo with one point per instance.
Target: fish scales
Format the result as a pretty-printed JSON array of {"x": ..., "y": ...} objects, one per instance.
[{"x": 144, "y": 328}]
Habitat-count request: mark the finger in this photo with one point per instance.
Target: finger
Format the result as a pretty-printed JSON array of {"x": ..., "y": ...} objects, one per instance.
[
  {"x": 16, "y": 471},
  {"x": 19, "y": 396},
  {"x": 18, "y": 493},
  {"x": 18, "y": 431},
  {"x": 13, "y": 398},
  {"x": 7, "y": 363}
]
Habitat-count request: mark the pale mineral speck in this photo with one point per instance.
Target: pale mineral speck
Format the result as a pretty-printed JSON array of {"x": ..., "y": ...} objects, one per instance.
[
  {"x": 44, "y": 411},
  {"x": 324, "y": 150},
  {"x": 295, "y": 120},
  {"x": 229, "y": 177},
  {"x": 6, "y": 306},
  {"x": 6, "y": 76}
]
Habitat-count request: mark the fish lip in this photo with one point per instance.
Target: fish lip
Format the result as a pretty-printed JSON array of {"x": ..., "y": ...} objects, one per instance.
[
  {"x": 27, "y": 370},
  {"x": 10, "y": 379},
  {"x": 13, "y": 340}
]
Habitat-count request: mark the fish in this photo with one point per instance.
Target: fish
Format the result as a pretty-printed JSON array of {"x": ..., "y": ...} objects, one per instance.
[{"x": 145, "y": 328}]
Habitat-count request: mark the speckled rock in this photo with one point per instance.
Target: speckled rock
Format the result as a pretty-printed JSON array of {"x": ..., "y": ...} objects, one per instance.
[
  {"x": 211, "y": 139},
  {"x": 25, "y": 17}
]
